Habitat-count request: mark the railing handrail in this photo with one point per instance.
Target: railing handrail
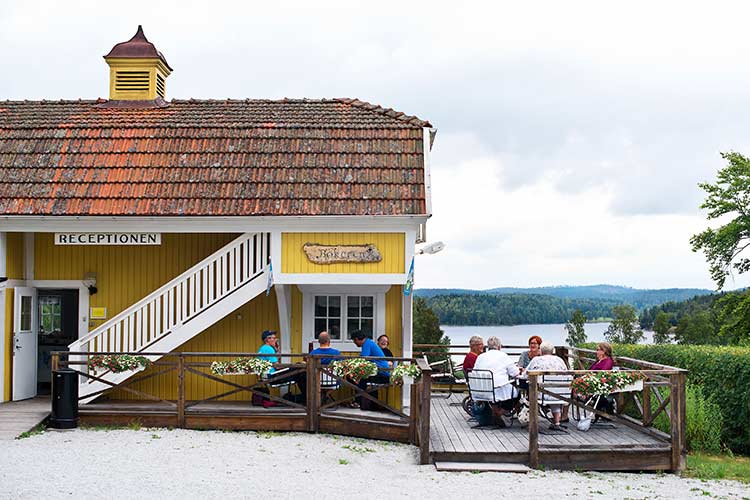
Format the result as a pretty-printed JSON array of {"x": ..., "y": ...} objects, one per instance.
[
  {"x": 629, "y": 360},
  {"x": 159, "y": 291}
]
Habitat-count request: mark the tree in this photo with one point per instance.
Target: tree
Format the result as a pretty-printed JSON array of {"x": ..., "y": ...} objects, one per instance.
[
  {"x": 661, "y": 328},
  {"x": 729, "y": 197},
  {"x": 624, "y": 328},
  {"x": 697, "y": 328},
  {"x": 426, "y": 325},
  {"x": 575, "y": 327}
]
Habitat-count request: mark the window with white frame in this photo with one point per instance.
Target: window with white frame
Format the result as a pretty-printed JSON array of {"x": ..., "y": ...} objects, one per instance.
[{"x": 340, "y": 322}]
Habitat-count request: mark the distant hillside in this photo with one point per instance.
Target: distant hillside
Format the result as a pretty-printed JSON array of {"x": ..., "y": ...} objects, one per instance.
[
  {"x": 639, "y": 298},
  {"x": 513, "y": 309}
]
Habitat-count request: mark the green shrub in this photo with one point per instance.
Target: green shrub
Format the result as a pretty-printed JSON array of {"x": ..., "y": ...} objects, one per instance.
[
  {"x": 722, "y": 372},
  {"x": 704, "y": 421}
]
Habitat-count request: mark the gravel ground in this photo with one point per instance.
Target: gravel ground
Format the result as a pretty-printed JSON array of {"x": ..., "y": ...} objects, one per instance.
[{"x": 179, "y": 463}]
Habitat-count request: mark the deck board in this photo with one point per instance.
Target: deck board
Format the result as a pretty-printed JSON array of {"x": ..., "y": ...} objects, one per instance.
[{"x": 452, "y": 435}]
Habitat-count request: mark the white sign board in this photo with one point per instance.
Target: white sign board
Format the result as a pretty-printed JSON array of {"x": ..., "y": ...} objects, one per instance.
[{"x": 107, "y": 238}]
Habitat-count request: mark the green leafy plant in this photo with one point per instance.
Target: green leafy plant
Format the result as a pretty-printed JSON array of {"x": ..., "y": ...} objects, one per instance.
[
  {"x": 241, "y": 366},
  {"x": 408, "y": 370},
  {"x": 355, "y": 369},
  {"x": 117, "y": 363},
  {"x": 704, "y": 421}
]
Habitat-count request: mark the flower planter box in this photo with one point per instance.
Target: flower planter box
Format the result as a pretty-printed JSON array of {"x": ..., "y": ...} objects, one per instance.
[{"x": 635, "y": 386}]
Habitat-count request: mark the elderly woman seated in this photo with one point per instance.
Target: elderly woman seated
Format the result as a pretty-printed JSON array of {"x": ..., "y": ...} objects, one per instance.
[
  {"x": 548, "y": 361},
  {"x": 490, "y": 380}
]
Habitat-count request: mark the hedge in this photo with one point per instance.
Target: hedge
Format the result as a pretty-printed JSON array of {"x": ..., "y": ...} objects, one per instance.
[{"x": 722, "y": 372}]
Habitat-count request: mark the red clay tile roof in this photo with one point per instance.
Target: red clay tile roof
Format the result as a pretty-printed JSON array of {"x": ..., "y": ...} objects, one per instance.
[{"x": 197, "y": 157}]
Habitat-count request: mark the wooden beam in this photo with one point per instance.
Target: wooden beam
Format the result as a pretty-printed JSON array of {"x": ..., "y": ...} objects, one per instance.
[
  {"x": 424, "y": 415},
  {"x": 533, "y": 422}
]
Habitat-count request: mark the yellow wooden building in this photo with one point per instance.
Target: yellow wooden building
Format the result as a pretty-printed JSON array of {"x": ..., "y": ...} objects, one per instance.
[{"x": 141, "y": 224}]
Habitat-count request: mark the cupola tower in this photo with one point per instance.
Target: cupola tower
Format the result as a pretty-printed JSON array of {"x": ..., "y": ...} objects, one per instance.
[{"x": 137, "y": 71}]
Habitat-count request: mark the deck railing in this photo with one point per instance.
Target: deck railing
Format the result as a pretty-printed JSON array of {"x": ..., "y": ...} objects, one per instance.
[{"x": 313, "y": 415}]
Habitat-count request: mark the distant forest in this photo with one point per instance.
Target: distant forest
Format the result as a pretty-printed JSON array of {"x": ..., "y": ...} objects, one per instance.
[
  {"x": 513, "y": 309},
  {"x": 517, "y": 306}
]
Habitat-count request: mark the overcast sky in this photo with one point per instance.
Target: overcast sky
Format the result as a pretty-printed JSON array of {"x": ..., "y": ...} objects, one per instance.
[{"x": 571, "y": 135}]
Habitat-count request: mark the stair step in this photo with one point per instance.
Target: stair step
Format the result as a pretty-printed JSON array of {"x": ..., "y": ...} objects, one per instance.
[{"x": 480, "y": 467}]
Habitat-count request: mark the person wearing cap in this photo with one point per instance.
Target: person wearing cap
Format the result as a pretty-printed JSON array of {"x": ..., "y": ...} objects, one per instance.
[{"x": 270, "y": 349}]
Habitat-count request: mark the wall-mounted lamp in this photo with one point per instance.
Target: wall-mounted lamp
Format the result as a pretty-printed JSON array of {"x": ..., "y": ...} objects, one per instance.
[
  {"x": 89, "y": 280},
  {"x": 431, "y": 248}
]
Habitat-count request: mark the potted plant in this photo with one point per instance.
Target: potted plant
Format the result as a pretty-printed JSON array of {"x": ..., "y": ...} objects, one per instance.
[
  {"x": 242, "y": 366},
  {"x": 405, "y": 374},
  {"x": 355, "y": 369},
  {"x": 118, "y": 363},
  {"x": 607, "y": 382}
]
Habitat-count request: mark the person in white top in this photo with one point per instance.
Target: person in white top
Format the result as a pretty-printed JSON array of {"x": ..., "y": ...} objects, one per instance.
[{"x": 503, "y": 370}]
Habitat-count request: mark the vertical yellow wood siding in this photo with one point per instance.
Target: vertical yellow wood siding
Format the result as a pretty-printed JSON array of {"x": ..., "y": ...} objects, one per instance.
[
  {"x": 7, "y": 338},
  {"x": 14, "y": 259},
  {"x": 296, "y": 320},
  {"x": 238, "y": 332},
  {"x": 124, "y": 274},
  {"x": 390, "y": 245},
  {"x": 393, "y": 329}
]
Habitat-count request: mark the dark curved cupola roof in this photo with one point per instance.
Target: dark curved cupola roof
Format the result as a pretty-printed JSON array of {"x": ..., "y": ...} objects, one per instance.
[{"x": 137, "y": 47}]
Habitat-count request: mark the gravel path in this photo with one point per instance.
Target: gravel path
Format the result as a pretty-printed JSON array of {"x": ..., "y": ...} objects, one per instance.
[{"x": 160, "y": 463}]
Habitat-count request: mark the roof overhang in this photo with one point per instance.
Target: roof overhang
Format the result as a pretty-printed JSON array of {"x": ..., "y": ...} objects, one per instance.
[{"x": 208, "y": 224}]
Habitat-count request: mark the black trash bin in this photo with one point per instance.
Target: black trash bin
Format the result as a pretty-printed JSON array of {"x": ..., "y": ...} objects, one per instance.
[{"x": 64, "y": 399}]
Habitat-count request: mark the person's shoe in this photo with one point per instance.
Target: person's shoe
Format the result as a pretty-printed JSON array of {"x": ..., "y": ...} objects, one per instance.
[
  {"x": 506, "y": 420},
  {"x": 555, "y": 427}
]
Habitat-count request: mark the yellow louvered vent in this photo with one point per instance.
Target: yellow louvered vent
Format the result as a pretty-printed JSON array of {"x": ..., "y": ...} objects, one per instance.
[
  {"x": 132, "y": 81},
  {"x": 159, "y": 85}
]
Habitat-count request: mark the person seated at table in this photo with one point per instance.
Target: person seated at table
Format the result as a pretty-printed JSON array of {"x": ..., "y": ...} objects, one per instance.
[
  {"x": 324, "y": 339},
  {"x": 369, "y": 347},
  {"x": 503, "y": 370},
  {"x": 604, "y": 361},
  {"x": 476, "y": 346},
  {"x": 277, "y": 374},
  {"x": 383, "y": 342},
  {"x": 548, "y": 361},
  {"x": 526, "y": 356}
]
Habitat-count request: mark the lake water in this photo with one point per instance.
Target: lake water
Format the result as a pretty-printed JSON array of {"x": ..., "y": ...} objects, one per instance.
[{"x": 519, "y": 334}]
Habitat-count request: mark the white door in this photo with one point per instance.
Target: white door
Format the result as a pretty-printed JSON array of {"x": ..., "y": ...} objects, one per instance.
[{"x": 25, "y": 342}]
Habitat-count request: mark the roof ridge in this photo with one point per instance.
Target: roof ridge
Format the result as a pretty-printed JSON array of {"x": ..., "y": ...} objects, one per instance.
[{"x": 389, "y": 112}]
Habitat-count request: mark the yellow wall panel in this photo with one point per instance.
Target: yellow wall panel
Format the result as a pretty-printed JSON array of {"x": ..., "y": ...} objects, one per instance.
[
  {"x": 393, "y": 329},
  {"x": 14, "y": 259},
  {"x": 390, "y": 245},
  {"x": 124, "y": 274},
  {"x": 7, "y": 338}
]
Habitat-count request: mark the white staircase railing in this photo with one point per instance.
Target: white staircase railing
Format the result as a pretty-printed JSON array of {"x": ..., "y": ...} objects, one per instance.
[{"x": 182, "y": 299}]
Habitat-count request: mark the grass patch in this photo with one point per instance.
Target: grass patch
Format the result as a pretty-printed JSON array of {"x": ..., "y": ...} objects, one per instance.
[
  {"x": 358, "y": 449},
  {"x": 97, "y": 428},
  {"x": 36, "y": 430},
  {"x": 267, "y": 434},
  {"x": 726, "y": 466},
  {"x": 343, "y": 461}
]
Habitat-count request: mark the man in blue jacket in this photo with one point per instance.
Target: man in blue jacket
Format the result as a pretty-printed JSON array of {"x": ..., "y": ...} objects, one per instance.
[{"x": 370, "y": 348}]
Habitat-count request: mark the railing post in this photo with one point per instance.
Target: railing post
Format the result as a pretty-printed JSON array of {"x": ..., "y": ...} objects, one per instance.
[
  {"x": 55, "y": 362},
  {"x": 677, "y": 420},
  {"x": 181, "y": 391},
  {"x": 646, "y": 403},
  {"x": 413, "y": 413},
  {"x": 313, "y": 393},
  {"x": 425, "y": 394},
  {"x": 533, "y": 422}
]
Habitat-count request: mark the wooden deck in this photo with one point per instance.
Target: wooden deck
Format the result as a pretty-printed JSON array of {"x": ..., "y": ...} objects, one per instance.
[
  {"x": 17, "y": 417},
  {"x": 452, "y": 439}
]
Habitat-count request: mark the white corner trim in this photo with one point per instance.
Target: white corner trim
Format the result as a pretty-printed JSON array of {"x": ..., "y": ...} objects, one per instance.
[
  {"x": 426, "y": 131},
  {"x": 410, "y": 241},
  {"x": 28, "y": 257},
  {"x": 283, "y": 301},
  {"x": 407, "y": 338}
]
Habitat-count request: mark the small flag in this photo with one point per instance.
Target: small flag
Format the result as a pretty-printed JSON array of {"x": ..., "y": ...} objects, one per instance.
[
  {"x": 270, "y": 279},
  {"x": 409, "y": 279}
]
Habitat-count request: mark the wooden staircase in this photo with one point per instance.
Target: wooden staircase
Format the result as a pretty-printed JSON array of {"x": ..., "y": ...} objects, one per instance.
[{"x": 180, "y": 309}]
